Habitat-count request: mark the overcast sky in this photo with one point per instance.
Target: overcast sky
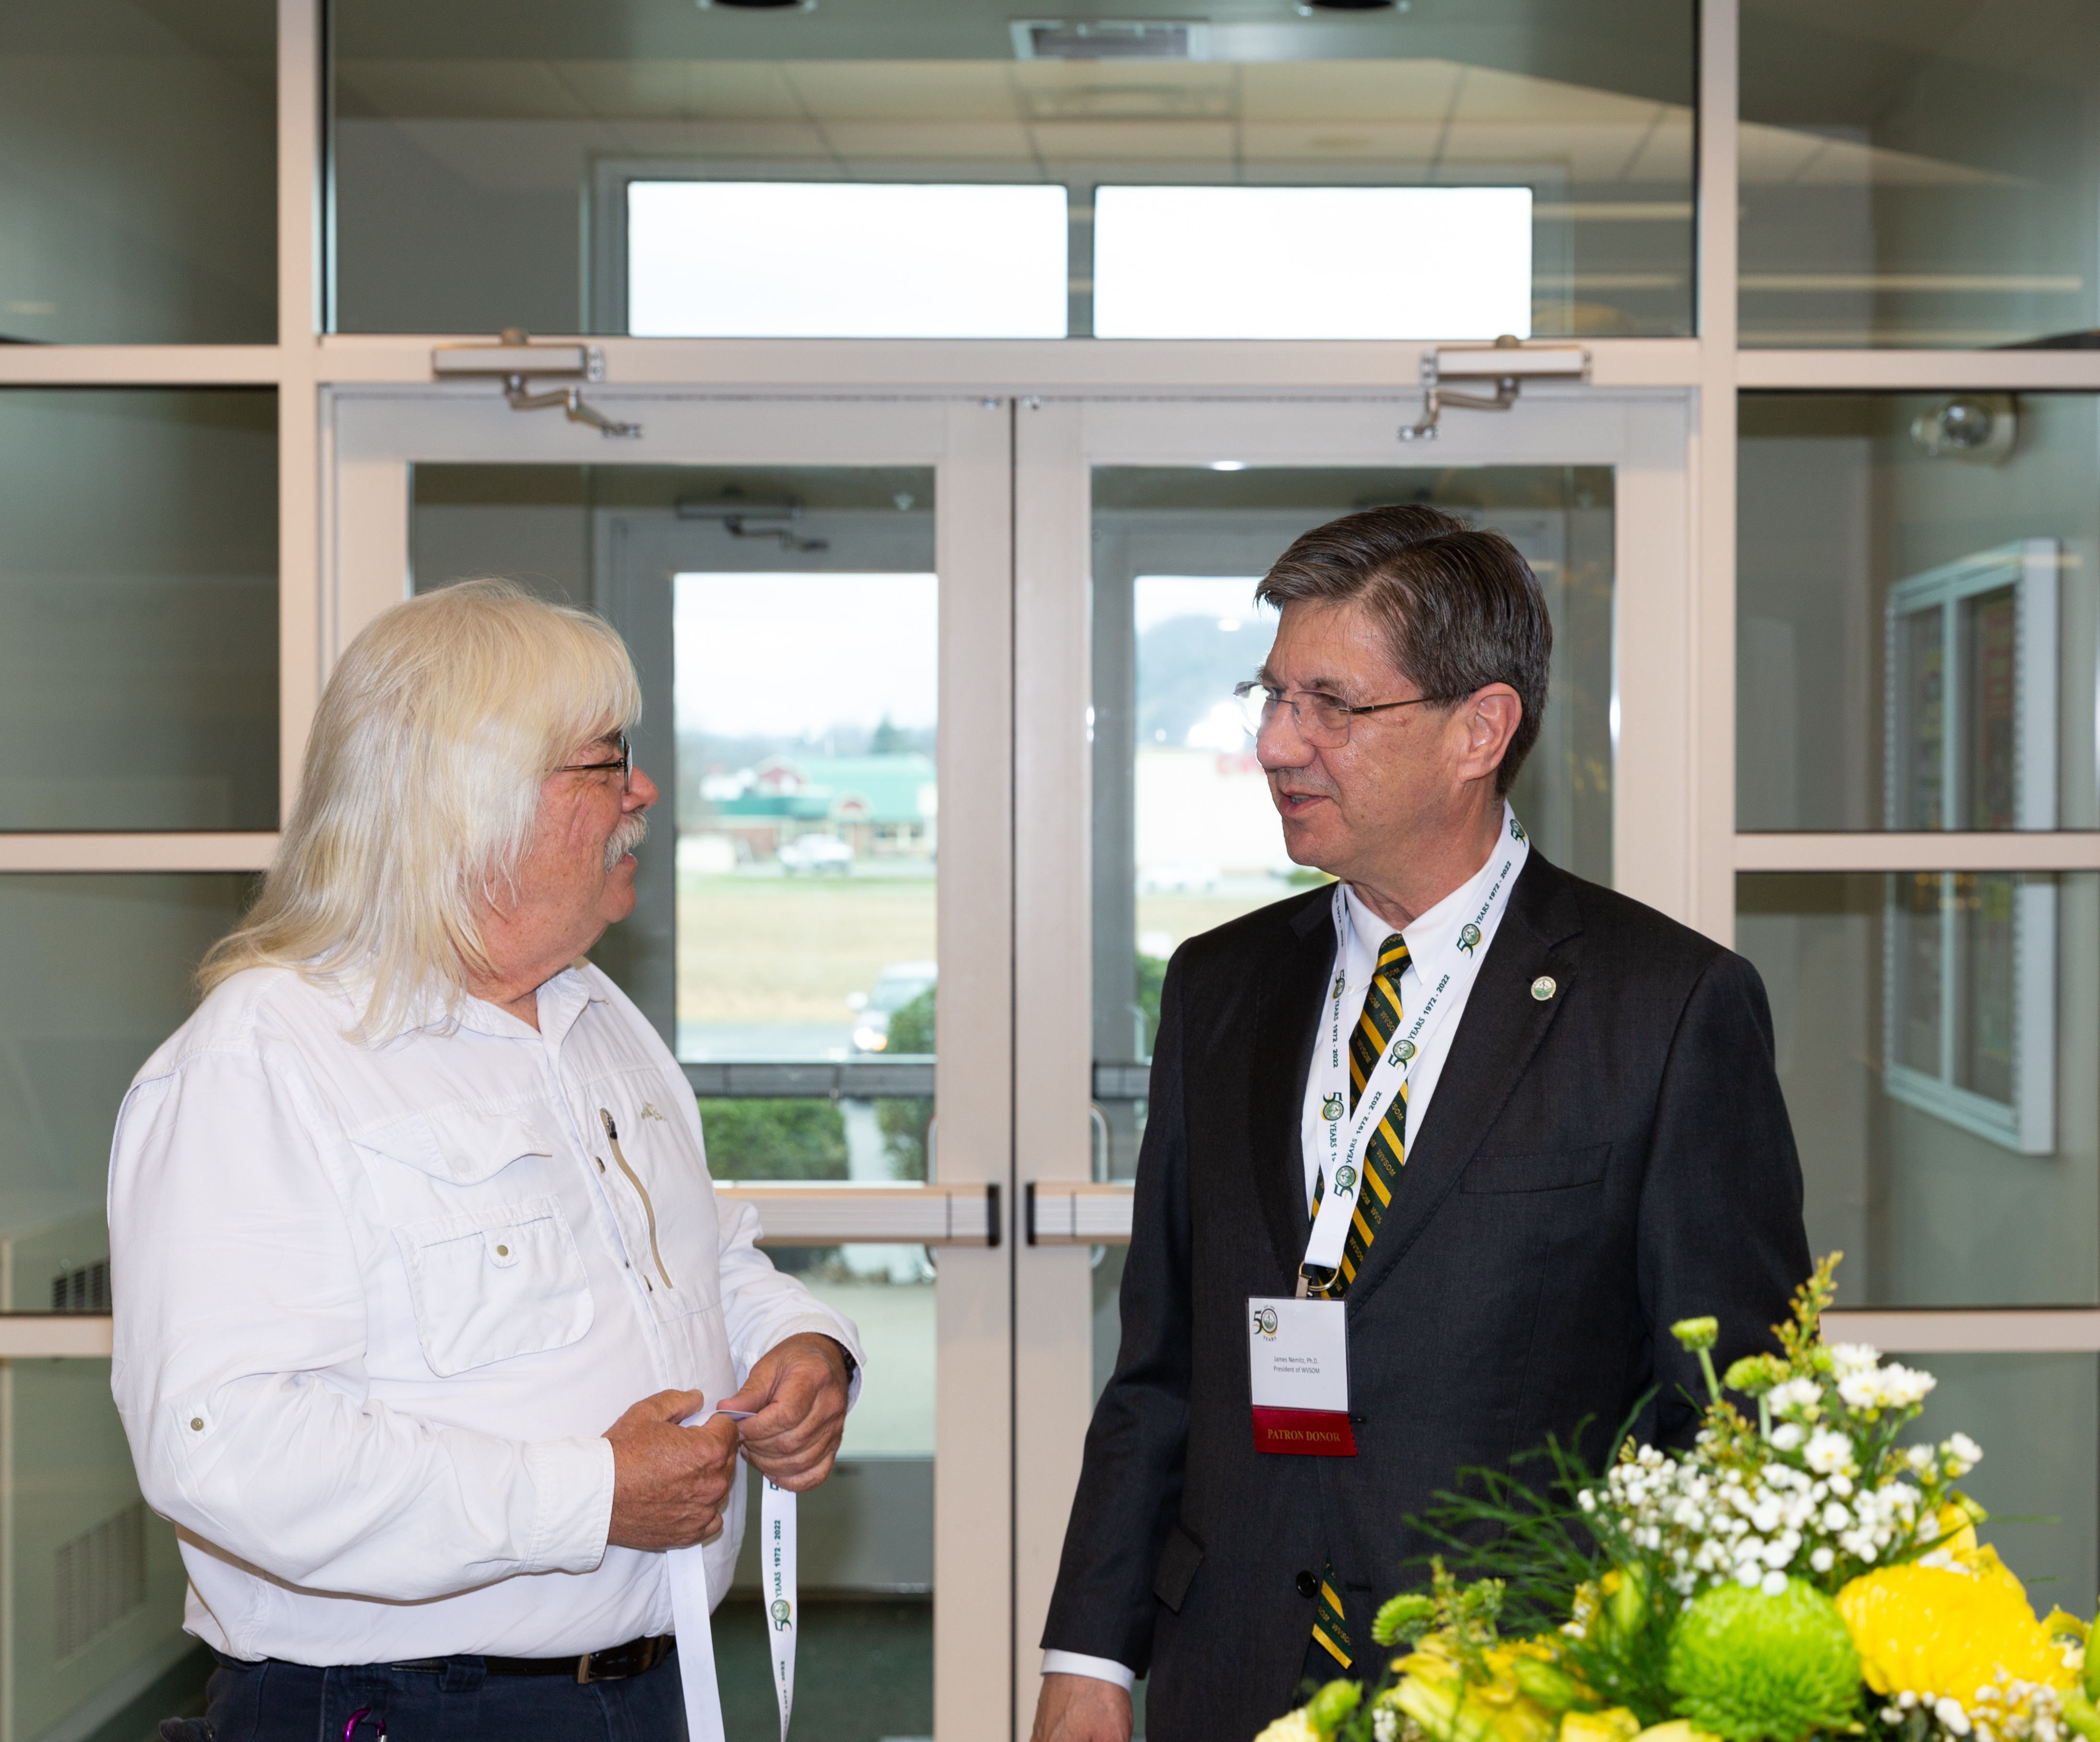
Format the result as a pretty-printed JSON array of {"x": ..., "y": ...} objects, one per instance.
[{"x": 790, "y": 654}]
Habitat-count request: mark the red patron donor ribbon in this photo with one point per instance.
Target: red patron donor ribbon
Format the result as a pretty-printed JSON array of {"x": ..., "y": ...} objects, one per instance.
[
  {"x": 1310, "y": 1433},
  {"x": 1298, "y": 1377}
]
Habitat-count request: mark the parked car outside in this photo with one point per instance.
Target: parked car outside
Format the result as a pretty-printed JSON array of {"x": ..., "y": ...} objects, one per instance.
[
  {"x": 816, "y": 856},
  {"x": 894, "y": 988}
]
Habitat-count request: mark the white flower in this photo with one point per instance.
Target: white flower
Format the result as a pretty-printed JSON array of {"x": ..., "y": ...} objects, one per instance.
[
  {"x": 1822, "y": 1560},
  {"x": 1949, "y": 1713},
  {"x": 1853, "y": 1357},
  {"x": 1835, "y": 1517},
  {"x": 1919, "y": 1458},
  {"x": 1385, "y": 1724},
  {"x": 1773, "y": 1584},
  {"x": 1829, "y": 1453},
  {"x": 1902, "y": 1387},
  {"x": 1794, "y": 1395},
  {"x": 1750, "y": 1576},
  {"x": 1861, "y": 1391},
  {"x": 1788, "y": 1434},
  {"x": 1964, "y": 1448}
]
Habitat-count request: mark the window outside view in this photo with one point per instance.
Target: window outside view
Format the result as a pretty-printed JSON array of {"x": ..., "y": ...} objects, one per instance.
[
  {"x": 808, "y": 819},
  {"x": 1209, "y": 846}
]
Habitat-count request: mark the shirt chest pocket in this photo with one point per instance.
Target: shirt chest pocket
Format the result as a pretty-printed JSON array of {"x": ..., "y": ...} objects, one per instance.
[
  {"x": 496, "y": 1273},
  {"x": 505, "y": 1281}
]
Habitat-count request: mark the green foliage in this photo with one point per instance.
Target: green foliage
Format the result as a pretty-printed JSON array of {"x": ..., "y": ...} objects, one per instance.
[
  {"x": 1151, "y": 978},
  {"x": 904, "y": 1123},
  {"x": 774, "y": 1140},
  {"x": 1753, "y": 1668},
  {"x": 911, "y": 1026}
]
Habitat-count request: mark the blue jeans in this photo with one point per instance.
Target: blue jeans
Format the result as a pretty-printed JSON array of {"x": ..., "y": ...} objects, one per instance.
[{"x": 281, "y": 1702}]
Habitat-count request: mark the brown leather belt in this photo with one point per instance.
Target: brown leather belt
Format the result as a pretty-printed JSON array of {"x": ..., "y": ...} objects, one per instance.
[{"x": 614, "y": 1664}]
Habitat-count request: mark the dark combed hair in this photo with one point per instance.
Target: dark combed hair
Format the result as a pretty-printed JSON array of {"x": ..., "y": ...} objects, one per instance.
[{"x": 1460, "y": 609}]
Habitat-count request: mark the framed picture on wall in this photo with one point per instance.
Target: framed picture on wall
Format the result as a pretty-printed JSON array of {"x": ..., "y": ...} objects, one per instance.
[{"x": 1969, "y": 1028}]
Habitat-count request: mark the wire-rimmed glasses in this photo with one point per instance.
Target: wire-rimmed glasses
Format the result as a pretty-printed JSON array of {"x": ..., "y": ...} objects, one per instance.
[
  {"x": 1322, "y": 719},
  {"x": 624, "y": 763}
]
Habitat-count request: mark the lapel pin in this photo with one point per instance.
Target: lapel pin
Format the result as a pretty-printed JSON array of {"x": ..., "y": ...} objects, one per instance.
[{"x": 1544, "y": 987}]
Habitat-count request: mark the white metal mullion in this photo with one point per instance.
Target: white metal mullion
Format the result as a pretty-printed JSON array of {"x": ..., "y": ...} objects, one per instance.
[
  {"x": 1710, "y": 806},
  {"x": 300, "y": 148},
  {"x": 226, "y": 851},
  {"x": 1922, "y": 850},
  {"x": 138, "y": 365},
  {"x": 1919, "y": 371}
]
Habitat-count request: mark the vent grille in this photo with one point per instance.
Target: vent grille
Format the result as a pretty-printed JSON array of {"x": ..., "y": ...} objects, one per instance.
[
  {"x": 86, "y": 1290},
  {"x": 1111, "y": 39},
  {"x": 101, "y": 1578}
]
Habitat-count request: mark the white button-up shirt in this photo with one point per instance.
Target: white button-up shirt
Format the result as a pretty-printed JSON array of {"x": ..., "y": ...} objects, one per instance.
[{"x": 377, "y": 1306}]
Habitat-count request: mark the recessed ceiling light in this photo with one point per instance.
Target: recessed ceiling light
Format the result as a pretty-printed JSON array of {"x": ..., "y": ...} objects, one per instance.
[{"x": 1229, "y": 465}]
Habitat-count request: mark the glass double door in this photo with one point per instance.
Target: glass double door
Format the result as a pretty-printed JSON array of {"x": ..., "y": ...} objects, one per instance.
[{"x": 935, "y": 689}]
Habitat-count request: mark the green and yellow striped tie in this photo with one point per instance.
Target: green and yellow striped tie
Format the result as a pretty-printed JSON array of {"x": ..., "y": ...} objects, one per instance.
[{"x": 1383, "y": 1157}]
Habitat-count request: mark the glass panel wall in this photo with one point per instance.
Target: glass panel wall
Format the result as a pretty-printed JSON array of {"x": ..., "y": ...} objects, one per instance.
[
  {"x": 1919, "y": 177},
  {"x": 1918, "y": 611},
  {"x": 138, "y": 172},
  {"x": 94, "y": 974},
  {"x": 466, "y": 142},
  {"x": 139, "y": 608},
  {"x": 1936, "y": 1037}
]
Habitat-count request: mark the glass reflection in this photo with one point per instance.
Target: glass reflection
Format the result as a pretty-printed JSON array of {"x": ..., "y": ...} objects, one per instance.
[
  {"x": 1918, "y": 179},
  {"x": 1935, "y": 1034},
  {"x": 138, "y": 609},
  {"x": 1916, "y": 624},
  {"x": 138, "y": 172},
  {"x": 463, "y": 142},
  {"x": 94, "y": 976}
]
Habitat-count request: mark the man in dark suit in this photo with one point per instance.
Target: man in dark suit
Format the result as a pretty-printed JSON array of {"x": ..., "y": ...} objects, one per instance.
[{"x": 1588, "y": 1144}]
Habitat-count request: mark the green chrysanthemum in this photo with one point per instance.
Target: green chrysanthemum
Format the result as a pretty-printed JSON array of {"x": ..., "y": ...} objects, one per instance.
[{"x": 1747, "y": 1666}]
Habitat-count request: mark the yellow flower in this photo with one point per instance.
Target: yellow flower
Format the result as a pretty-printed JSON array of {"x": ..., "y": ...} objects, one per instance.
[
  {"x": 1617, "y": 1725},
  {"x": 1433, "y": 1692},
  {"x": 1949, "y": 1629},
  {"x": 1292, "y": 1727}
]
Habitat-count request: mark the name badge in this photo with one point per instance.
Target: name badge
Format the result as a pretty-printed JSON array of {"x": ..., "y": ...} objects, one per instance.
[{"x": 1298, "y": 1357}]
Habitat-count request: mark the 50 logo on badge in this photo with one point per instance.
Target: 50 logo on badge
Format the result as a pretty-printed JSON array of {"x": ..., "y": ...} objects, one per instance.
[{"x": 1264, "y": 1322}]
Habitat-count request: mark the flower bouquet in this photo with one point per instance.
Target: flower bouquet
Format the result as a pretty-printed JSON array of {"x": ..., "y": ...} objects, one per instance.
[{"x": 1797, "y": 1573}]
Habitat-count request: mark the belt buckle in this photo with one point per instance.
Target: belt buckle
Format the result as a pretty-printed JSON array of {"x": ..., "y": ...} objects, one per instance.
[{"x": 585, "y": 1674}]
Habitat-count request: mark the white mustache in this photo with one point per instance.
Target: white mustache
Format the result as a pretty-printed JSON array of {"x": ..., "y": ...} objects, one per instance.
[{"x": 633, "y": 829}]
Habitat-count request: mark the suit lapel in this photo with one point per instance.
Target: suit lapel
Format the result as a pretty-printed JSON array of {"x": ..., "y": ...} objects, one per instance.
[
  {"x": 1287, "y": 1020},
  {"x": 1500, "y": 1030}
]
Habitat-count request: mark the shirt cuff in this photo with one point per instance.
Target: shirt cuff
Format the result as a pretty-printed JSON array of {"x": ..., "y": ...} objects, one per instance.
[
  {"x": 573, "y": 1480},
  {"x": 1099, "y": 1668}
]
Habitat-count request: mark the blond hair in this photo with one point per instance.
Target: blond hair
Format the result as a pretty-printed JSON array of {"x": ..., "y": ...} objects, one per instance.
[{"x": 421, "y": 792}]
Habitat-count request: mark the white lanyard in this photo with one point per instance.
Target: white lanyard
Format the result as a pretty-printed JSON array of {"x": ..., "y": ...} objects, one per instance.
[
  {"x": 691, "y": 1607},
  {"x": 1446, "y": 973}
]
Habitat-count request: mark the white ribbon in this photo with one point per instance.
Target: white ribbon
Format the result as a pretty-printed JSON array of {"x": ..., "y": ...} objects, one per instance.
[
  {"x": 1341, "y": 1138},
  {"x": 776, "y": 1562},
  {"x": 691, "y": 1608}
]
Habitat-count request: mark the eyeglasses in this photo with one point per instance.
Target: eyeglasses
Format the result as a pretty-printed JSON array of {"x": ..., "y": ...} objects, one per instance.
[
  {"x": 1322, "y": 721},
  {"x": 624, "y": 764}
]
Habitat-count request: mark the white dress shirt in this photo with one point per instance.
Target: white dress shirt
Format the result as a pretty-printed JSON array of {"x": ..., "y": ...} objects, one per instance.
[
  {"x": 377, "y": 1306},
  {"x": 1357, "y": 951}
]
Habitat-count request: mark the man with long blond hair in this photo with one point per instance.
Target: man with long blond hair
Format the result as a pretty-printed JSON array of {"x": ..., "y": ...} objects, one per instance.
[{"x": 414, "y": 1209}]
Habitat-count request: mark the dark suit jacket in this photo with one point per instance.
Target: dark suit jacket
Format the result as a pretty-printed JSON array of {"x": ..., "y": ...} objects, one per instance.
[{"x": 1592, "y": 1168}]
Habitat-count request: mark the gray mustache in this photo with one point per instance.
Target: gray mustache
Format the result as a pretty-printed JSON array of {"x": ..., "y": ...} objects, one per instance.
[{"x": 630, "y": 834}]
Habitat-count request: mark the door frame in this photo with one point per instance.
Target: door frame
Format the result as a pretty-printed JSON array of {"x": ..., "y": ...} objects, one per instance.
[
  {"x": 1644, "y": 434},
  {"x": 372, "y": 440}
]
